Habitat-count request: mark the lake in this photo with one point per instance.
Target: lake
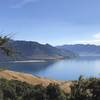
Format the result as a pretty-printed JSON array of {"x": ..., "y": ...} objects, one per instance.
[{"x": 62, "y": 69}]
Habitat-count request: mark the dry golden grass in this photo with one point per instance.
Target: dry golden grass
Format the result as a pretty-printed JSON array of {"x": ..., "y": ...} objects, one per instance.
[{"x": 34, "y": 80}]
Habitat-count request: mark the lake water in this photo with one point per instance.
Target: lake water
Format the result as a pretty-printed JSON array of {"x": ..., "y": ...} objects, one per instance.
[{"x": 62, "y": 69}]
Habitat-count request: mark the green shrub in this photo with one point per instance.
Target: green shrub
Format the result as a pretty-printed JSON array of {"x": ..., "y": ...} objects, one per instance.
[
  {"x": 86, "y": 89},
  {"x": 83, "y": 89},
  {"x": 16, "y": 90},
  {"x": 55, "y": 93}
]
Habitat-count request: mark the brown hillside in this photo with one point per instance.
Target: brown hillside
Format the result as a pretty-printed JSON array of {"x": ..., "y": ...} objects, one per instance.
[{"x": 34, "y": 80}]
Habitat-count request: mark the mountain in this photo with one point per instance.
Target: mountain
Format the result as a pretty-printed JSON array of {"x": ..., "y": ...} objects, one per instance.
[
  {"x": 82, "y": 50},
  {"x": 27, "y": 50}
]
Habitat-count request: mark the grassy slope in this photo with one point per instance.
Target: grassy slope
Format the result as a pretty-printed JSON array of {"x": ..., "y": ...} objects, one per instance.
[{"x": 34, "y": 80}]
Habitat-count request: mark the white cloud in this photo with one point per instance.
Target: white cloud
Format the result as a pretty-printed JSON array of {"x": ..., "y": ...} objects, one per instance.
[
  {"x": 95, "y": 39},
  {"x": 22, "y": 3},
  {"x": 97, "y": 35},
  {"x": 96, "y": 42}
]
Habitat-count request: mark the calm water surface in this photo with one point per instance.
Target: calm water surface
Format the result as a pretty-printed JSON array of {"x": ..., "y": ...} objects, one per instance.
[{"x": 62, "y": 69}]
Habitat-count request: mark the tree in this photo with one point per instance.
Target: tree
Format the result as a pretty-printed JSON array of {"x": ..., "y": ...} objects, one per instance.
[{"x": 3, "y": 45}]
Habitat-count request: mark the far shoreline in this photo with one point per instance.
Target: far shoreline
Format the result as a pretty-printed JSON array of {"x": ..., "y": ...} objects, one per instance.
[{"x": 26, "y": 61}]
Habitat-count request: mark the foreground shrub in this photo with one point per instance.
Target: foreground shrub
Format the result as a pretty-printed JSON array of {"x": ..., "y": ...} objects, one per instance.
[
  {"x": 86, "y": 89},
  {"x": 16, "y": 90},
  {"x": 55, "y": 93},
  {"x": 83, "y": 89}
]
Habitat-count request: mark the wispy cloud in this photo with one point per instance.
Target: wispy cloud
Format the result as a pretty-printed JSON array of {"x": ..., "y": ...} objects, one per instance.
[
  {"x": 96, "y": 42},
  {"x": 97, "y": 35},
  {"x": 95, "y": 39},
  {"x": 22, "y": 3}
]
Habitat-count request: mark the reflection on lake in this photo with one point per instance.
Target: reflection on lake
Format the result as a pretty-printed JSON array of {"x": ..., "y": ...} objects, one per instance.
[{"x": 62, "y": 69}]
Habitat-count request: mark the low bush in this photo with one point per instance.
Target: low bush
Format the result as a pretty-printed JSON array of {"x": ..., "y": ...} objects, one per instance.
[
  {"x": 83, "y": 89},
  {"x": 16, "y": 90}
]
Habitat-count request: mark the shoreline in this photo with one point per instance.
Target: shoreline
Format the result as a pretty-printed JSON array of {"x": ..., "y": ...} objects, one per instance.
[{"x": 26, "y": 61}]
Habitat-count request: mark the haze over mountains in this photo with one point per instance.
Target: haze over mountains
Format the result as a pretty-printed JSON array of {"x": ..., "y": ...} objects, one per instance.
[
  {"x": 27, "y": 50},
  {"x": 82, "y": 50}
]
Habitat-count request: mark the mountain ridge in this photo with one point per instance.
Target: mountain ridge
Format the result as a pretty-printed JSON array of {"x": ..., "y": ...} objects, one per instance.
[
  {"x": 82, "y": 49},
  {"x": 29, "y": 50}
]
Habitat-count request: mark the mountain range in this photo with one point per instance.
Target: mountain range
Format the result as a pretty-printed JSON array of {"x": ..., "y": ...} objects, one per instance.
[
  {"x": 28, "y": 50},
  {"x": 82, "y": 49}
]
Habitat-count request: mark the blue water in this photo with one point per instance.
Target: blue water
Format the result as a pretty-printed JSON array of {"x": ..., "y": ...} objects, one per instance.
[{"x": 62, "y": 69}]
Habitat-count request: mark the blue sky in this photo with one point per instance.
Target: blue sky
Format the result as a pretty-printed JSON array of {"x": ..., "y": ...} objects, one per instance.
[{"x": 52, "y": 21}]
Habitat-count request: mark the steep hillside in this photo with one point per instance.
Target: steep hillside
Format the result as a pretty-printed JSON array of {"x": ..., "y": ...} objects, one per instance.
[
  {"x": 26, "y": 50},
  {"x": 34, "y": 80}
]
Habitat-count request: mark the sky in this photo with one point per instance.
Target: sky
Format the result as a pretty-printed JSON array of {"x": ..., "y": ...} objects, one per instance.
[{"x": 56, "y": 22}]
